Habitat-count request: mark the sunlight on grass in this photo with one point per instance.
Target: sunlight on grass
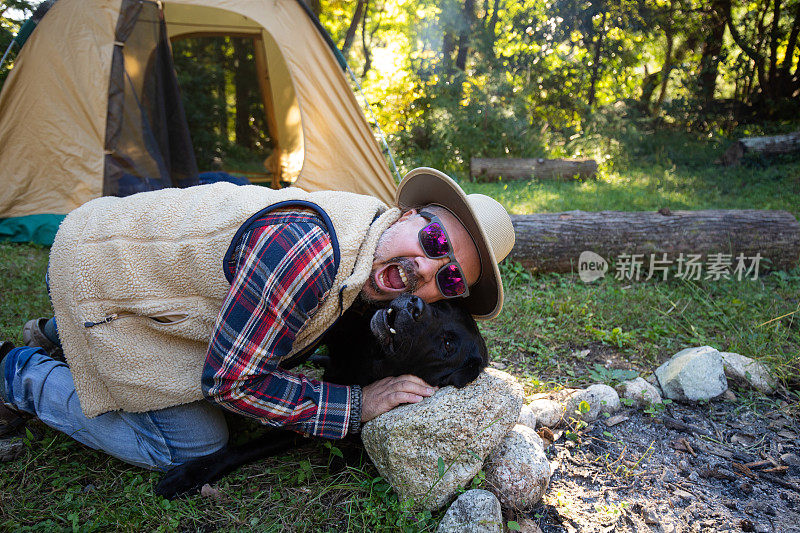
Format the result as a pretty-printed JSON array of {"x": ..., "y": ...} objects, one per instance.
[{"x": 652, "y": 188}]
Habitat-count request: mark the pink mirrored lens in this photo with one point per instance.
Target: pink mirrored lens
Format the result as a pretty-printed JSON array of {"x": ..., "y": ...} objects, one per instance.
[
  {"x": 451, "y": 280},
  {"x": 434, "y": 241}
]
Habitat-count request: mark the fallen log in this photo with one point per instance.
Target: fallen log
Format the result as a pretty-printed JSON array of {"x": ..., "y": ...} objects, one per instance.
[
  {"x": 553, "y": 242},
  {"x": 557, "y": 169},
  {"x": 776, "y": 144}
]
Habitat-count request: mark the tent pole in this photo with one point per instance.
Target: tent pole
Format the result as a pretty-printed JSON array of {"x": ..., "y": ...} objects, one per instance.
[
  {"x": 376, "y": 124},
  {"x": 3, "y": 61}
]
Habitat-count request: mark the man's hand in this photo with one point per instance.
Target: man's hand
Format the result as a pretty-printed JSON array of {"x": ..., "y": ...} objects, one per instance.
[{"x": 388, "y": 393}]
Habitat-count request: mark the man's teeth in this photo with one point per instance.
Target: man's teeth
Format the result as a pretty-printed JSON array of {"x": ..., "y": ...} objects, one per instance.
[
  {"x": 389, "y": 311},
  {"x": 392, "y": 331},
  {"x": 402, "y": 275}
]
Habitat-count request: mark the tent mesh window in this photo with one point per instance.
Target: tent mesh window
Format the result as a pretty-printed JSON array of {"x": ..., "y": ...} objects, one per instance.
[
  {"x": 148, "y": 145},
  {"x": 225, "y": 106}
]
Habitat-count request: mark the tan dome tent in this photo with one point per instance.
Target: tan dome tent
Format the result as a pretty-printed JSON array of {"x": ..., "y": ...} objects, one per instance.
[{"x": 91, "y": 107}]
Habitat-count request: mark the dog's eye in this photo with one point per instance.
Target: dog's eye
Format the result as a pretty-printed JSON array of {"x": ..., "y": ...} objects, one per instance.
[{"x": 449, "y": 346}]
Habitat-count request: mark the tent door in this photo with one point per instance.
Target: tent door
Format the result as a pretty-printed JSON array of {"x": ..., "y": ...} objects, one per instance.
[{"x": 148, "y": 145}]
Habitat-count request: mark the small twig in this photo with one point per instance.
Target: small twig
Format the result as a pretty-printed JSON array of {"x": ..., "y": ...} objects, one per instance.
[
  {"x": 758, "y": 464},
  {"x": 776, "y": 470},
  {"x": 744, "y": 470},
  {"x": 683, "y": 426},
  {"x": 688, "y": 447}
]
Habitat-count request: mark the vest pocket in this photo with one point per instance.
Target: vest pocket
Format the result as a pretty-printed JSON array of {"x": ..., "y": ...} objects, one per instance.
[
  {"x": 169, "y": 318},
  {"x": 191, "y": 319},
  {"x": 164, "y": 318}
]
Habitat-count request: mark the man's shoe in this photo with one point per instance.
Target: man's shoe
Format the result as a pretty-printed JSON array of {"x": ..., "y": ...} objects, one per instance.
[
  {"x": 11, "y": 419},
  {"x": 33, "y": 335},
  {"x": 10, "y": 449}
]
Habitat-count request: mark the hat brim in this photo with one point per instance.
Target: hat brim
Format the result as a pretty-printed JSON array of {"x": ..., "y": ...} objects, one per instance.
[{"x": 423, "y": 186}]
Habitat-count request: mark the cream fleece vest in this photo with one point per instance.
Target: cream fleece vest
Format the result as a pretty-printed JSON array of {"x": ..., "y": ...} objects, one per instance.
[{"x": 137, "y": 283}]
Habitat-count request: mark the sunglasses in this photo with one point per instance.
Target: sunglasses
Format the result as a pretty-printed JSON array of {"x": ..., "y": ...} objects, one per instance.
[{"x": 435, "y": 243}]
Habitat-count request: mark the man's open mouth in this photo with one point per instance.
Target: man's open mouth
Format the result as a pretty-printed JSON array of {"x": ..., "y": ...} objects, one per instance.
[{"x": 393, "y": 277}]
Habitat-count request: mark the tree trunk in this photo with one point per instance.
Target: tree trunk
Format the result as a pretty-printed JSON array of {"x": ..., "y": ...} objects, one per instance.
[
  {"x": 243, "y": 80},
  {"x": 665, "y": 71},
  {"x": 464, "y": 34},
  {"x": 777, "y": 144},
  {"x": 367, "y": 56},
  {"x": 553, "y": 242},
  {"x": 598, "y": 47},
  {"x": 351, "y": 30},
  {"x": 712, "y": 50},
  {"x": 222, "y": 98},
  {"x": 448, "y": 46},
  {"x": 557, "y": 169}
]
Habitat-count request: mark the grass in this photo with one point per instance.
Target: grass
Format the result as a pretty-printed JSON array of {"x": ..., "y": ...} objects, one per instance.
[
  {"x": 542, "y": 337},
  {"x": 660, "y": 169}
]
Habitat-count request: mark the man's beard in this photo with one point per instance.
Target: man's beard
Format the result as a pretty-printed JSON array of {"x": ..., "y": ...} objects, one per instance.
[
  {"x": 411, "y": 277},
  {"x": 407, "y": 264}
]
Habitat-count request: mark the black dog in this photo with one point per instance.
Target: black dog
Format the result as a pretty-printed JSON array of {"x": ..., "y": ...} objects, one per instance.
[{"x": 439, "y": 342}]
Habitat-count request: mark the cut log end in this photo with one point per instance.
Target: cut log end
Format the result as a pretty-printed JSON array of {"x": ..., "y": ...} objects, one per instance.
[{"x": 776, "y": 144}]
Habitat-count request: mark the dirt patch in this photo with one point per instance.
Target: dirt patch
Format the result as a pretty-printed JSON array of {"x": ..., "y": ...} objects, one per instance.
[{"x": 719, "y": 466}]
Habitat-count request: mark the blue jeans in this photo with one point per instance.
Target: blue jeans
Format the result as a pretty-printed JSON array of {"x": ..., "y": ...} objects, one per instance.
[{"x": 156, "y": 440}]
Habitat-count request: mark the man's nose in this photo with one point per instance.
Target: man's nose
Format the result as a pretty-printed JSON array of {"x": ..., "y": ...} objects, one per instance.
[{"x": 427, "y": 267}]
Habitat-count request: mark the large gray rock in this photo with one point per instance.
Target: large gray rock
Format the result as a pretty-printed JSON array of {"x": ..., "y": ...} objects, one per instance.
[
  {"x": 601, "y": 399},
  {"x": 693, "y": 374},
  {"x": 458, "y": 426},
  {"x": 527, "y": 417},
  {"x": 475, "y": 511},
  {"x": 640, "y": 392},
  {"x": 518, "y": 470},
  {"x": 746, "y": 371},
  {"x": 547, "y": 412}
]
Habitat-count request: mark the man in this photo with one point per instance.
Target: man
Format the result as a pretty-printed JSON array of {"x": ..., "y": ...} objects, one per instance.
[{"x": 137, "y": 291}]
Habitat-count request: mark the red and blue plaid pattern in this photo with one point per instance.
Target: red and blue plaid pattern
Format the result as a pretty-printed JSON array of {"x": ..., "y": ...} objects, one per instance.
[{"x": 284, "y": 268}]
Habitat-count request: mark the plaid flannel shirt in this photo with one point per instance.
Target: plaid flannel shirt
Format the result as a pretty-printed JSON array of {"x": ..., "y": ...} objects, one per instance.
[{"x": 284, "y": 268}]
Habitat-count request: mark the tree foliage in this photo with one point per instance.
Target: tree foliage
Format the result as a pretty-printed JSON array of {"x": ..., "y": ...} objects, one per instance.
[
  {"x": 458, "y": 78},
  {"x": 12, "y": 15},
  {"x": 452, "y": 79}
]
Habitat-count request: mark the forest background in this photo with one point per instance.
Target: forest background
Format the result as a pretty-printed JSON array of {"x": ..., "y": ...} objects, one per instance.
[{"x": 454, "y": 79}]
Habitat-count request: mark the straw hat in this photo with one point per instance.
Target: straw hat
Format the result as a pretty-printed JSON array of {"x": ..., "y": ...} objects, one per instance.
[{"x": 484, "y": 218}]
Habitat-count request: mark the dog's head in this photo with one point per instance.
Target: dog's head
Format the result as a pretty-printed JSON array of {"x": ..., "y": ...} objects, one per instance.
[{"x": 438, "y": 342}]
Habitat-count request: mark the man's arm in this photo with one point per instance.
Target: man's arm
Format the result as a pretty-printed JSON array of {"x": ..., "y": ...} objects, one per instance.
[{"x": 283, "y": 271}]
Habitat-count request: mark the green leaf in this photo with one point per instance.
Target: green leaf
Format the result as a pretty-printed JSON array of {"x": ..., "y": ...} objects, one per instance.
[
  {"x": 584, "y": 407},
  {"x": 513, "y": 526},
  {"x": 440, "y": 465},
  {"x": 336, "y": 451}
]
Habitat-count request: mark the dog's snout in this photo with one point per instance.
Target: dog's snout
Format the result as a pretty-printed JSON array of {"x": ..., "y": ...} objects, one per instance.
[
  {"x": 415, "y": 307},
  {"x": 407, "y": 303}
]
